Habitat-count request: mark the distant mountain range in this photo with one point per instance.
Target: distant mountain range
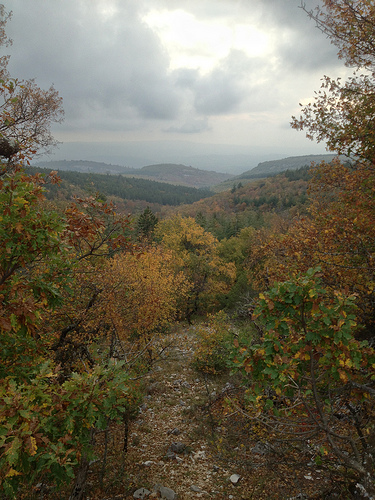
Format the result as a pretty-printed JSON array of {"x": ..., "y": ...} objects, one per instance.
[
  {"x": 183, "y": 175},
  {"x": 166, "y": 172}
]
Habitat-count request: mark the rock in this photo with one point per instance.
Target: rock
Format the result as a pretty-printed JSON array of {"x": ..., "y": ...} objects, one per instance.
[
  {"x": 148, "y": 463},
  {"x": 141, "y": 493},
  {"x": 195, "y": 488},
  {"x": 261, "y": 448},
  {"x": 166, "y": 493},
  {"x": 234, "y": 478},
  {"x": 177, "y": 447},
  {"x": 175, "y": 432},
  {"x": 199, "y": 455}
]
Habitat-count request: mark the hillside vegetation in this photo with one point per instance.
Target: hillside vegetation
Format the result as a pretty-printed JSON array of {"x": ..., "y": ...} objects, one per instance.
[
  {"x": 251, "y": 203},
  {"x": 123, "y": 190}
]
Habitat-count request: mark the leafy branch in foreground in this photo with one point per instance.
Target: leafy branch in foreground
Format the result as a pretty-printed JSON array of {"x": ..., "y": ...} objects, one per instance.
[{"x": 309, "y": 378}]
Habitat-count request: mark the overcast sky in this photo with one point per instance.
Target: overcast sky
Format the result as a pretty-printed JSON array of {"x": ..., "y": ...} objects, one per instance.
[{"x": 171, "y": 80}]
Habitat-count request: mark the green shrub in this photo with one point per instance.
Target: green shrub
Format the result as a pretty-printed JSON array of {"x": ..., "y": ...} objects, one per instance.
[{"x": 214, "y": 343}]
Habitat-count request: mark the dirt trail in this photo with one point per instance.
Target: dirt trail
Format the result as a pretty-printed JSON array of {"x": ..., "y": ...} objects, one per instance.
[{"x": 173, "y": 412}]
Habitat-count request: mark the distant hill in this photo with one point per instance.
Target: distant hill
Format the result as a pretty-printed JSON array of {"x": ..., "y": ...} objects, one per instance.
[
  {"x": 166, "y": 172},
  {"x": 182, "y": 174},
  {"x": 267, "y": 168}
]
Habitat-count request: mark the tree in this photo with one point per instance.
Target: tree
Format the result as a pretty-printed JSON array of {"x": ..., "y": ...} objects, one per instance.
[
  {"x": 309, "y": 379},
  {"x": 49, "y": 412},
  {"x": 343, "y": 113},
  {"x": 26, "y": 111},
  {"x": 146, "y": 224},
  {"x": 195, "y": 252},
  {"x": 337, "y": 235},
  {"x": 38, "y": 268}
]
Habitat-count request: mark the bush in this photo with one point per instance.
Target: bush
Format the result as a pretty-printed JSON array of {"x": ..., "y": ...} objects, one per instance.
[{"x": 214, "y": 343}]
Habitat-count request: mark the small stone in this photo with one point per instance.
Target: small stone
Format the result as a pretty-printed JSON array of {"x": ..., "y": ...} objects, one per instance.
[
  {"x": 175, "y": 432},
  {"x": 148, "y": 463},
  {"x": 170, "y": 455},
  {"x": 167, "y": 493},
  {"x": 177, "y": 447},
  {"x": 141, "y": 493},
  {"x": 195, "y": 488},
  {"x": 234, "y": 478},
  {"x": 199, "y": 454}
]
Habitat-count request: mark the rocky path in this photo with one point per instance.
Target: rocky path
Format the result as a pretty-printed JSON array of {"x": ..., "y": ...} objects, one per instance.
[{"x": 171, "y": 441}]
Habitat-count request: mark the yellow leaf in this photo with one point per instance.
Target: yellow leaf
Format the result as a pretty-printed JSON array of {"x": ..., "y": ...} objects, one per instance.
[
  {"x": 33, "y": 447},
  {"x": 13, "y": 472},
  {"x": 343, "y": 376}
]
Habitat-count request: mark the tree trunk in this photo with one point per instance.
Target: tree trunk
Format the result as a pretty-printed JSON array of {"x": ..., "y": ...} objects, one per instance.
[
  {"x": 80, "y": 481},
  {"x": 81, "y": 476}
]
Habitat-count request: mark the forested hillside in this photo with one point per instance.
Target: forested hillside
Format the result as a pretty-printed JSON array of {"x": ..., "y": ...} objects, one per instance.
[
  {"x": 124, "y": 189},
  {"x": 251, "y": 203},
  {"x": 266, "y": 290}
]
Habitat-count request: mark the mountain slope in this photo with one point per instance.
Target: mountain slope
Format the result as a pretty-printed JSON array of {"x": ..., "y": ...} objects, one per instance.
[{"x": 272, "y": 167}]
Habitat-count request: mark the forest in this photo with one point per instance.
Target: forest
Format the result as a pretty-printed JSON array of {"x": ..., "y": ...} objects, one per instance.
[
  {"x": 274, "y": 277},
  {"x": 123, "y": 188}
]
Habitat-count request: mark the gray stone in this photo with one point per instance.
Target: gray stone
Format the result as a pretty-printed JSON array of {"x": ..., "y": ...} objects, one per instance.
[
  {"x": 141, "y": 493},
  {"x": 175, "y": 432},
  {"x": 234, "y": 478},
  {"x": 195, "y": 488},
  {"x": 177, "y": 447},
  {"x": 148, "y": 463},
  {"x": 167, "y": 493},
  {"x": 261, "y": 448}
]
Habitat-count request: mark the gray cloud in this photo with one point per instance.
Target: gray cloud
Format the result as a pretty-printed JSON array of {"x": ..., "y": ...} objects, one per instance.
[
  {"x": 114, "y": 74},
  {"x": 190, "y": 126}
]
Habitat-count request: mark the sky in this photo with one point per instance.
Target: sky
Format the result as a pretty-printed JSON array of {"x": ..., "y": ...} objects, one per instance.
[{"x": 209, "y": 83}]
